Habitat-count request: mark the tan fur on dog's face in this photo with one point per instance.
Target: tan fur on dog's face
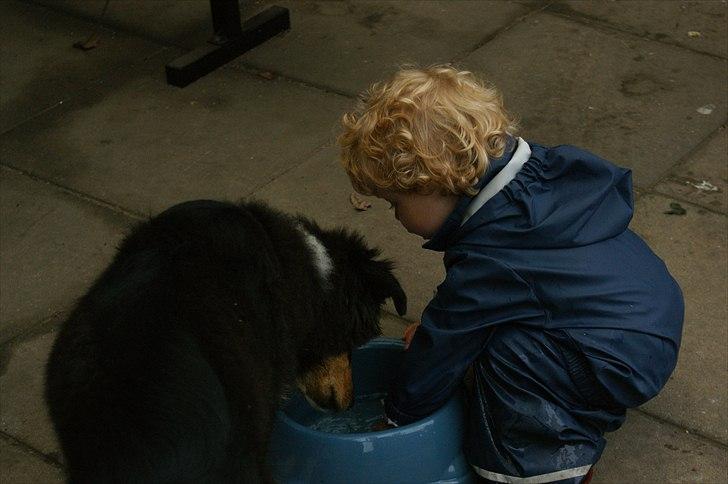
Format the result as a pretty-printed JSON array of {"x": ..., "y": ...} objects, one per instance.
[{"x": 329, "y": 386}]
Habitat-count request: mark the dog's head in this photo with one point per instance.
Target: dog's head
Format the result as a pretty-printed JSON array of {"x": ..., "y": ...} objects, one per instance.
[{"x": 357, "y": 287}]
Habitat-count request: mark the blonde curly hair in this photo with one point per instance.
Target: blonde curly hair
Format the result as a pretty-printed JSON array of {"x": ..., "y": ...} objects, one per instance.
[{"x": 424, "y": 130}]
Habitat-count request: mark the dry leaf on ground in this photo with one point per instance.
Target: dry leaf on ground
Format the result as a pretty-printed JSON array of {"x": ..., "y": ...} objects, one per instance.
[{"x": 359, "y": 203}]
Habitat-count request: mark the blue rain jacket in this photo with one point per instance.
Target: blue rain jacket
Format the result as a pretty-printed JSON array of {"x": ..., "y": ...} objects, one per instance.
[{"x": 549, "y": 252}]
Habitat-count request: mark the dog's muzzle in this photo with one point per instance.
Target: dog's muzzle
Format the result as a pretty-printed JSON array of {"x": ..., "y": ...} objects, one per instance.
[{"x": 329, "y": 386}]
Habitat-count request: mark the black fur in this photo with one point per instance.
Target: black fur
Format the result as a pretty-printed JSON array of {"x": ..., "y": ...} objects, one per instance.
[{"x": 171, "y": 367}]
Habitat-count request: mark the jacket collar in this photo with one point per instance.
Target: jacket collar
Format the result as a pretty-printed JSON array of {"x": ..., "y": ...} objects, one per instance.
[{"x": 442, "y": 238}]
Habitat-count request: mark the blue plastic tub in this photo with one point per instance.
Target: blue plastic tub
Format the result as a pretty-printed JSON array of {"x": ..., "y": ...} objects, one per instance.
[{"x": 426, "y": 451}]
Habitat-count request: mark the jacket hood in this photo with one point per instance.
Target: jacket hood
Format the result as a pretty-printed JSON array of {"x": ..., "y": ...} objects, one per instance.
[{"x": 562, "y": 196}]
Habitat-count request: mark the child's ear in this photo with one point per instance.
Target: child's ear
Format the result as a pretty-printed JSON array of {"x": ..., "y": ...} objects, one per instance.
[{"x": 386, "y": 285}]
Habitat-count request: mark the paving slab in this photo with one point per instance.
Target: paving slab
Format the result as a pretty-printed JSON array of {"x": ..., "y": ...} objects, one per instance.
[
  {"x": 23, "y": 412},
  {"x": 52, "y": 245},
  {"x": 40, "y": 67},
  {"x": 703, "y": 178},
  {"x": 419, "y": 270},
  {"x": 648, "y": 451},
  {"x": 146, "y": 145},
  {"x": 671, "y": 21},
  {"x": 184, "y": 23},
  {"x": 347, "y": 45},
  {"x": 19, "y": 466},
  {"x": 630, "y": 100},
  {"x": 694, "y": 248}
]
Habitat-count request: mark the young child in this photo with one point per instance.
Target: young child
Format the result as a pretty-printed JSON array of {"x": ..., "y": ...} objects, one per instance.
[{"x": 565, "y": 316}]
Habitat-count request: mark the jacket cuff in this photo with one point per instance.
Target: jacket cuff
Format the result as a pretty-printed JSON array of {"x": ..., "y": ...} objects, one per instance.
[{"x": 396, "y": 416}]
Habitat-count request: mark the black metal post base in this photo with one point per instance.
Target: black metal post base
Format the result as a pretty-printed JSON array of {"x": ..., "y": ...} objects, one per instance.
[{"x": 254, "y": 31}]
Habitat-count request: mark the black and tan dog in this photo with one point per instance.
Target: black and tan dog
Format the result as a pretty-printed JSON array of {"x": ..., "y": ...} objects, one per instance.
[{"x": 171, "y": 367}]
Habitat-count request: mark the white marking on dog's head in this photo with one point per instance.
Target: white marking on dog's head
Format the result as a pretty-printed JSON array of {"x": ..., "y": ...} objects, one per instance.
[{"x": 321, "y": 258}]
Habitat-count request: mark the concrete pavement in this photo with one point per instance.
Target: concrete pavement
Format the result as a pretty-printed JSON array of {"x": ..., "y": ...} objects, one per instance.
[{"x": 91, "y": 142}]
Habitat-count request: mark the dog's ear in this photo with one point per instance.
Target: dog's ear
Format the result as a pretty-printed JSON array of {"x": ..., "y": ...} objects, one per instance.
[
  {"x": 385, "y": 285},
  {"x": 398, "y": 296}
]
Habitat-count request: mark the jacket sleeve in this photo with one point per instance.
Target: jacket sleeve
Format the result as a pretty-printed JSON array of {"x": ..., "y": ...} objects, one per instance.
[{"x": 478, "y": 293}]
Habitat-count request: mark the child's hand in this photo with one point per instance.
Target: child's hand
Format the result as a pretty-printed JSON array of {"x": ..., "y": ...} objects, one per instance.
[{"x": 409, "y": 333}]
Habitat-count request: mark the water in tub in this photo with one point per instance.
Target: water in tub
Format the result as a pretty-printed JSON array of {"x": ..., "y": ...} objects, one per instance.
[{"x": 365, "y": 412}]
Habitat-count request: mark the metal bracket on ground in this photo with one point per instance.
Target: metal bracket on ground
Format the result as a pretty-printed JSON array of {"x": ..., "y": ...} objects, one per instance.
[{"x": 231, "y": 39}]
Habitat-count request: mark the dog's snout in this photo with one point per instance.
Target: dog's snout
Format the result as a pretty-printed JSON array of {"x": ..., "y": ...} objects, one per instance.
[{"x": 329, "y": 386}]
